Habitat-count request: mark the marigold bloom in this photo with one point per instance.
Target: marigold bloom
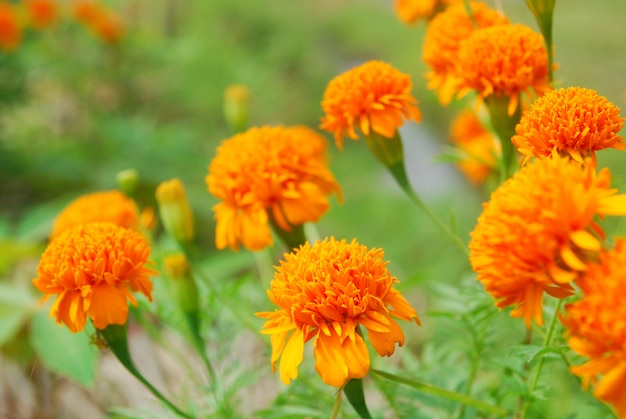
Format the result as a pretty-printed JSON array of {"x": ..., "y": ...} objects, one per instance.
[
  {"x": 324, "y": 292},
  {"x": 109, "y": 206},
  {"x": 596, "y": 327},
  {"x": 371, "y": 97},
  {"x": 10, "y": 29},
  {"x": 42, "y": 13},
  {"x": 480, "y": 146},
  {"x": 504, "y": 60},
  {"x": 538, "y": 231},
  {"x": 278, "y": 172},
  {"x": 92, "y": 269},
  {"x": 572, "y": 121},
  {"x": 443, "y": 37}
]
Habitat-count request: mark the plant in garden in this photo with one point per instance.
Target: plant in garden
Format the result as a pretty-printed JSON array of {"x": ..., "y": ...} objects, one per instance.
[
  {"x": 442, "y": 41},
  {"x": 536, "y": 234},
  {"x": 482, "y": 349},
  {"x": 328, "y": 292},
  {"x": 575, "y": 122},
  {"x": 595, "y": 327},
  {"x": 266, "y": 176}
]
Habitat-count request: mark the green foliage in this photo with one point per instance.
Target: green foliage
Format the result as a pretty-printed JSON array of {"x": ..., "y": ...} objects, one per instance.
[{"x": 69, "y": 354}]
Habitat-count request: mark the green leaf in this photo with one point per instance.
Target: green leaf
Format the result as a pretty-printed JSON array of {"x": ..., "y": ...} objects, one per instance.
[
  {"x": 354, "y": 393},
  {"x": 16, "y": 304},
  {"x": 532, "y": 353},
  {"x": 66, "y": 353}
]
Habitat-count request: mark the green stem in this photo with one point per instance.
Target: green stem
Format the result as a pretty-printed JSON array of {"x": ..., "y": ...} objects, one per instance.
[
  {"x": 504, "y": 126},
  {"x": 443, "y": 393},
  {"x": 334, "y": 413},
  {"x": 199, "y": 345},
  {"x": 547, "y": 342},
  {"x": 476, "y": 356},
  {"x": 192, "y": 257},
  {"x": 389, "y": 151},
  {"x": 292, "y": 239},
  {"x": 115, "y": 336}
]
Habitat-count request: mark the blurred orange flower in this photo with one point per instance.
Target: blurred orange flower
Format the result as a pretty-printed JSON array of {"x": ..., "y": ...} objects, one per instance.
[
  {"x": 277, "y": 174},
  {"x": 92, "y": 269},
  {"x": 371, "y": 97},
  {"x": 10, "y": 29},
  {"x": 442, "y": 40},
  {"x": 324, "y": 292},
  {"x": 537, "y": 232},
  {"x": 109, "y": 206},
  {"x": 42, "y": 13},
  {"x": 504, "y": 60},
  {"x": 105, "y": 24},
  {"x": 411, "y": 11},
  {"x": 574, "y": 121},
  {"x": 597, "y": 330},
  {"x": 478, "y": 144}
]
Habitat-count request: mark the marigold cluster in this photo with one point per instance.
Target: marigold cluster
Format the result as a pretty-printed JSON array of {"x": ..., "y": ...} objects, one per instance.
[
  {"x": 324, "y": 292},
  {"x": 537, "y": 232},
  {"x": 504, "y": 60},
  {"x": 596, "y": 327},
  {"x": 108, "y": 206},
  {"x": 574, "y": 121},
  {"x": 10, "y": 29},
  {"x": 92, "y": 269},
  {"x": 373, "y": 97},
  {"x": 479, "y": 146},
  {"x": 278, "y": 174},
  {"x": 443, "y": 38}
]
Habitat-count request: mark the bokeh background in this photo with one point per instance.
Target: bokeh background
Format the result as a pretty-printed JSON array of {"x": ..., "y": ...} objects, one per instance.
[{"x": 74, "y": 111}]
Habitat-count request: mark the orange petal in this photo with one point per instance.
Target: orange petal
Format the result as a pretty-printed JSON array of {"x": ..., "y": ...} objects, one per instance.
[
  {"x": 336, "y": 362},
  {"x": 108, "y": 306},
  {"x": 385, "y": 343},
  {"x": 586, "y": 240},
  {"x": 292, "y": 356}
]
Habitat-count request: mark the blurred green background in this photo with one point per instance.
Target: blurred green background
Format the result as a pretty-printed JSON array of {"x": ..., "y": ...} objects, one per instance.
[{"x": 74, "y": 112}]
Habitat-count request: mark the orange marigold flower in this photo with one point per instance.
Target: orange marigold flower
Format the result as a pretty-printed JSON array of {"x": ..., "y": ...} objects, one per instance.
[
  {"x": 278, "y": 172},
  {"x": 504, "y": 60},
  {"x": 443, "y": 37},
  {"x": 572, "y": 121},
  {"x": 372, "y": 97},
  {"x": 597, "y": 329},
  {"x": 42, "y": 13},
  {"x": 324, "y": 292},
  {"x": 538, "y": 231},
  {"x": 92, "y": 269},
  {"x": 10, "y": 29},
  {"x": 478, "y": 144},
  {"x": 109, "y": 206}
]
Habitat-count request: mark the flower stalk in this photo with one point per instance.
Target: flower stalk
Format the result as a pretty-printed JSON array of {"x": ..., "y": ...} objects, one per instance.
[
  {"x": 504, "y": 125},
  {"x": 547, "y": 343},
  {"x": 390, "y": 153},
  {"x": 116, "y": 338},
  {"x": 443, "y": 393}
]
